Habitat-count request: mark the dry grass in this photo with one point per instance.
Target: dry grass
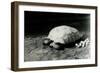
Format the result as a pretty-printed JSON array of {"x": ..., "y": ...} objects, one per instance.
[{"x": 35, "y": 51}]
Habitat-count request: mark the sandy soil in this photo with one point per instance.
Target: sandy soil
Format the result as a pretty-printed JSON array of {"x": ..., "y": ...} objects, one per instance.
[{"x": 34, "y": 50}]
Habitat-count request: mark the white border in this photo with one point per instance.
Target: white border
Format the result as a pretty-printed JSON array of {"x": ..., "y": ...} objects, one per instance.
[{"x": 33, "y": 64}]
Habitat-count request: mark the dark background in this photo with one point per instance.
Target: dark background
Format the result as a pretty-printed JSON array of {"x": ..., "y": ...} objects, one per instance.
[{"x": 40, "y": 23}]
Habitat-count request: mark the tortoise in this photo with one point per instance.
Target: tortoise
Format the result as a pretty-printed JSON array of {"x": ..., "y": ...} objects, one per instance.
[{"x": 63, "y": 36}]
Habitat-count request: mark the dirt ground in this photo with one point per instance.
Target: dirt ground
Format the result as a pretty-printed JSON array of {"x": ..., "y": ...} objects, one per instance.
[{"x": 34, "y": 50}]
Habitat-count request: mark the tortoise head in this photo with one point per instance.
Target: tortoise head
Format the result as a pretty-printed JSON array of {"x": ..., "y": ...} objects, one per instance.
[
  {"x": 51, "y": 43},
  {"x": 47, "y": 41}
]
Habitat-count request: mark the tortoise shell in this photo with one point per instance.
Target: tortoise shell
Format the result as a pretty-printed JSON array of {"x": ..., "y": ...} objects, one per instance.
[{"x": 64, "y": 34}]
